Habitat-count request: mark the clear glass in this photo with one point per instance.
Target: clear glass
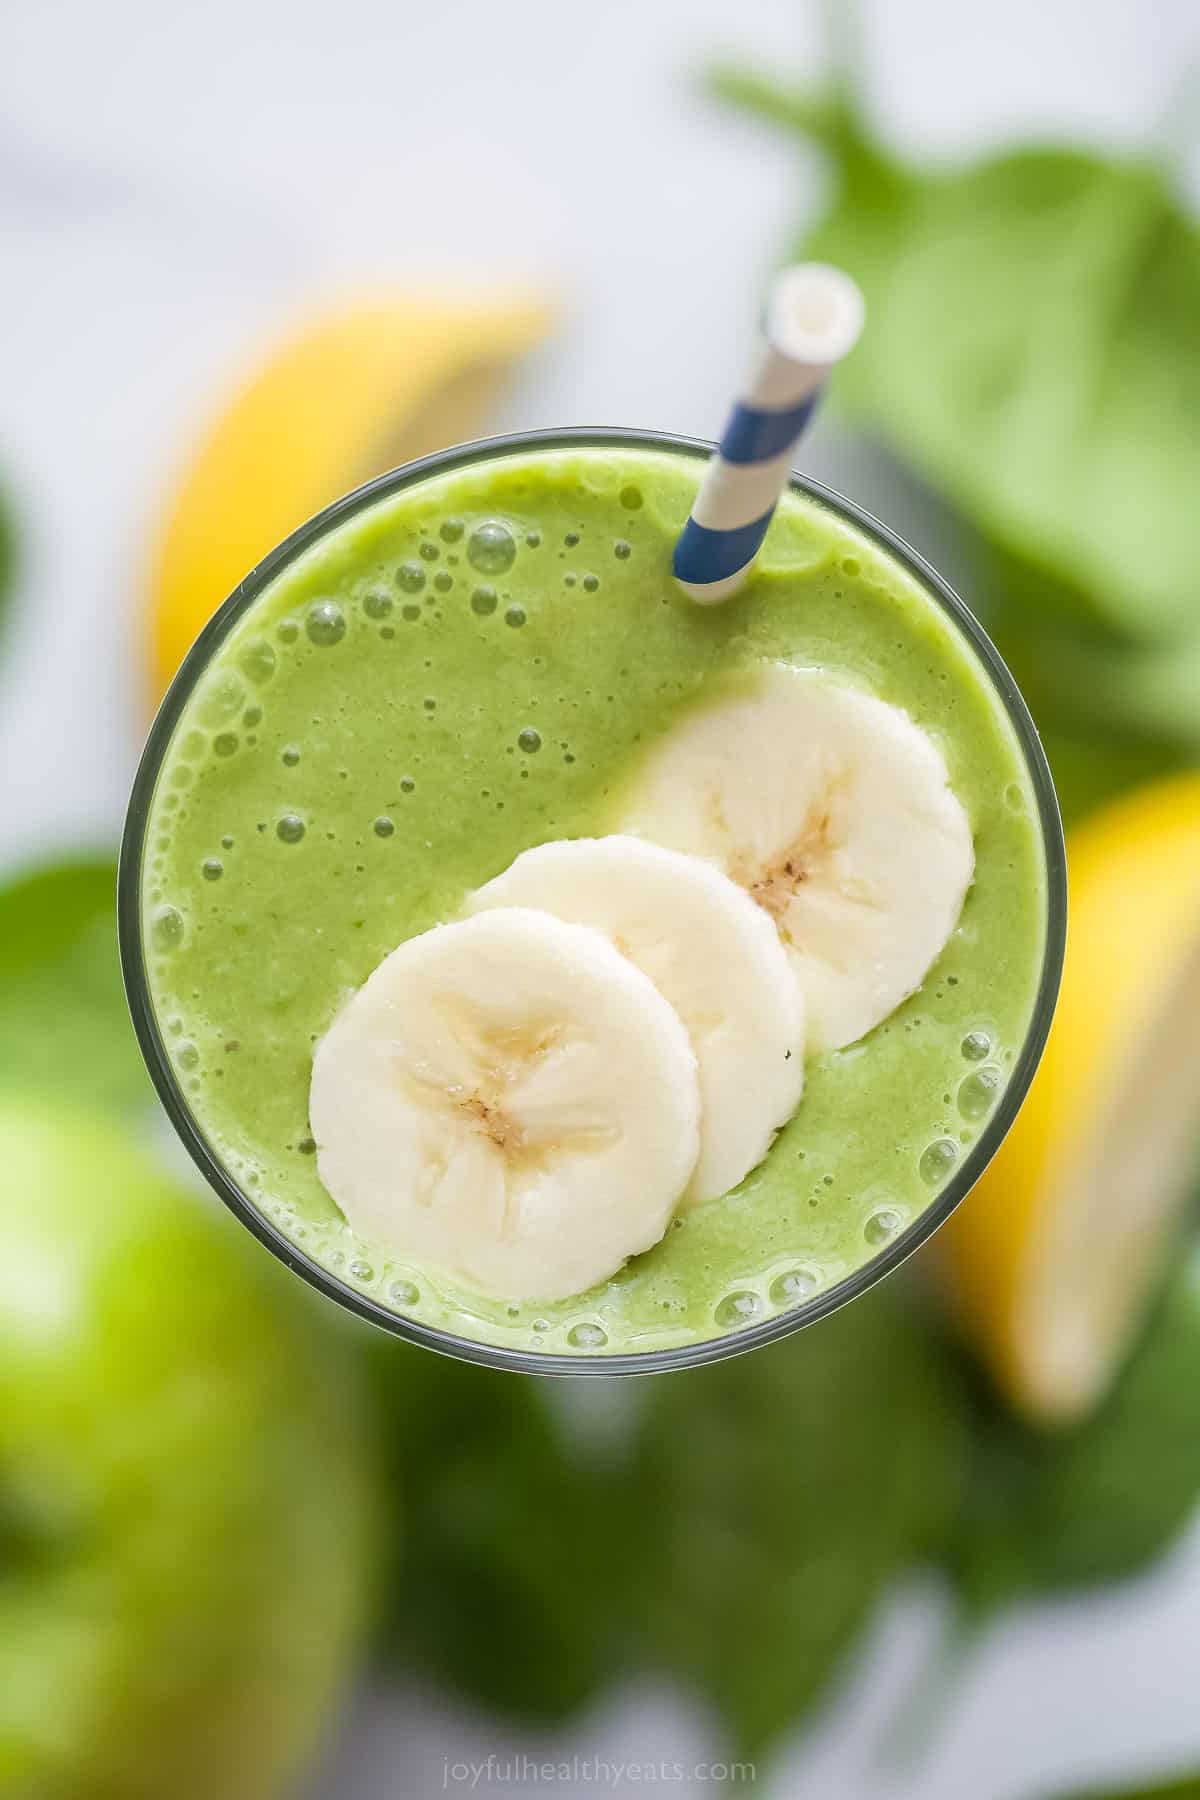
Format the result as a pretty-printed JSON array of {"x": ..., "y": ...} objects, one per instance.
[{"x": 544, "y": 1362}]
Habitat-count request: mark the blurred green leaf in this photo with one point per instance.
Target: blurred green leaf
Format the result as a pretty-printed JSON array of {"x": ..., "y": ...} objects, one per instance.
[
  {"x": 1151, "y": 692},
  {"x": 1032, "y": 348},
  {"x": 64, "y": 1025},
  {"x": 1131, "y": 696},
  {"x": 1133, "y": 703},
  {"x": 1100, "y": 1501},
  {"x": 1082, "y": 687},
  {"x": 511, "y": 1580},
  {"x": 781, "y": 1493},
  {"x": 1187, "y": 1787},
  {"x": 8, "y": 555},
  {"x": 1090, "y": 770}
]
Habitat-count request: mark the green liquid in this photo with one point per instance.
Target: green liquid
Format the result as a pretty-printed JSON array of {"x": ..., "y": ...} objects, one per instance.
[{"x": 391, "y": 724}]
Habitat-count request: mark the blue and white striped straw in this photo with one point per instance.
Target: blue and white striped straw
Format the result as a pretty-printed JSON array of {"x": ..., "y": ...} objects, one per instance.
[{"x": 813, "y": 317}]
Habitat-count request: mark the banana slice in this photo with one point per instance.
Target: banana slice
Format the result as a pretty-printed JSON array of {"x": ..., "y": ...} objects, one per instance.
[
  {"x": 510, "y": 1100},
  {"x": 711, "y": 953},
  {"x": 834, "y": 811}
]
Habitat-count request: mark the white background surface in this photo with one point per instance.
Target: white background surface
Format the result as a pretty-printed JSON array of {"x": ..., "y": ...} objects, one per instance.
[{"x": 172, "y": 176}]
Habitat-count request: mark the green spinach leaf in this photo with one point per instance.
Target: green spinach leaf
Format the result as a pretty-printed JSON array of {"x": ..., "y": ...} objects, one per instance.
[
  {"x": 1185, "y": 1787},
  {"x": 8, "y": 556},
  {"x": 510, "y": 1575},
  {"x": 1112, "y": 715},
  {"x": 1032, "y": 348},
  {"x": 64, "y": 1025},
  {"x": 1136, "y": 696},
  {"x": 780, "y": 1494},
  {"x": 1100, "y": 1501}
]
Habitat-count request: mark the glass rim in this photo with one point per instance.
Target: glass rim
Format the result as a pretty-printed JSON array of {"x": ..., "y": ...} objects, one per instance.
[{"x": 432, "y": 1337}]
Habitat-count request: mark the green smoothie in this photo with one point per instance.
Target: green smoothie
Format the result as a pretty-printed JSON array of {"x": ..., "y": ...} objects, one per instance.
[{"x": 480, "y": 663}]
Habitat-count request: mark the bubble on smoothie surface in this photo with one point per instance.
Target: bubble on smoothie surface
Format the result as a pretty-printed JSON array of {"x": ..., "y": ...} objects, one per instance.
[
  {"x": 490, "y": 548},
  {"x": 407, "y": 784},
  {"x": 252, "y": 716},
  {"x": 167, "y": 928},
  {"x": 290, "y": 828},
  {"x": 937, "y": 1160},
  {"x": 591, "y": 583},
  {"x": 193, "y": 745},
  {"x": 325, "y": 623},
  {"x": 587, "y": 1337},
  {"x": 429, "y": 552},
  {"x": 622, "y": 550},
  {"x": 383, "y": 826},
  {"x": 630, "y": 498},
  {"x": 377, "y": 603},
  {"x": 976, "y": 1045},
  {"x": 187, "y": 1056},
  {"x": 257, "y": 662},
  {"x": 515, "y": 616},
  {"x": 882, "y": 1225},
  {"x": 977, "y": 1093},
  {"x": 290, "y": 754},
  {"x": 793, "y": 1285},
  {"x": 450, "y": 530},
  {"x": 443, "y": 581},
  {"x": 410, "y": 578},
  {"x": 484, "y": 600},
  {"x": 529, "y": 740},
  {"x": 287, "y": 631},
  {"x": 404, "y": 1293},
  {"x": 361, "y": 1270},
  {"x": 212, "y": 868},
  {"x": 738, "y": 1308},
  {"x": 221, "y": 699}
]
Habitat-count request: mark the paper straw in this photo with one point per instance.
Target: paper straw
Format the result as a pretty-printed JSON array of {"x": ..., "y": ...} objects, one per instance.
[{"x": 813, "y": 317}]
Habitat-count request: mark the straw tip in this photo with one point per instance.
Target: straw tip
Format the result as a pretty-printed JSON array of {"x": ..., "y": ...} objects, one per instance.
[
  {"x": 711, "y": 593},
  {"x": 815, "y": 313}
]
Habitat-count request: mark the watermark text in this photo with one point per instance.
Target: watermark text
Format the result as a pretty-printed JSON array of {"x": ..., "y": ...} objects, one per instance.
[{"x": 601, "y": 1772}]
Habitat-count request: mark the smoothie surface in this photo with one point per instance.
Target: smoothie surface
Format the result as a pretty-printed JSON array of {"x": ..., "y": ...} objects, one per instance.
[{"x": 475, "y": 665}]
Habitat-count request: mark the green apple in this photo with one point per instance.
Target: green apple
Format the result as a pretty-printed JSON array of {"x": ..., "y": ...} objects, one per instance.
[{"x": 186, "y": 1491}]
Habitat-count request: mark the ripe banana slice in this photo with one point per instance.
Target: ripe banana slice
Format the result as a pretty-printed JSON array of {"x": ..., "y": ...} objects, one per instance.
[
  {"x": 510, "y": 1100},
  {"x": 711, "y": 953},
  {"x": 834, "y": 811}
]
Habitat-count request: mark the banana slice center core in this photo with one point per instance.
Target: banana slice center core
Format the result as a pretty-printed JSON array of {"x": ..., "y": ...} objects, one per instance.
[
  {"x": 486, "y": 1117},
  {"x": 773, "y": 883},
  {"x": 495, "y": 1108}
]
